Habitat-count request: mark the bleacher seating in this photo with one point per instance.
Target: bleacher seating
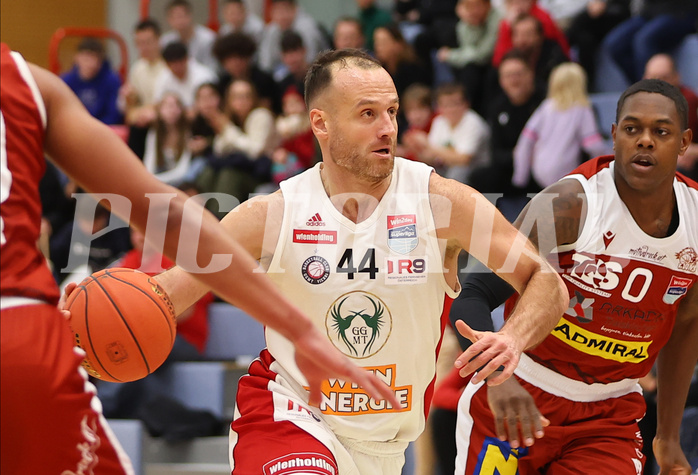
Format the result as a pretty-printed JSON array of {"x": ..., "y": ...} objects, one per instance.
[
  {"x": 609, "y": 77},
  {"x": 131, "y": 435},
  {"x": 198, "y": 385},
  {"x": 686, "y": 57},
  {"x": 604, "y": 105},
  {"x": 233, "y": 335}
]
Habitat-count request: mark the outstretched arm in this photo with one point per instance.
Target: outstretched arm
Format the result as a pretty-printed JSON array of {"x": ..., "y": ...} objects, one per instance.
[
  {"x": 475, "y": 225},
  {"x": 482, "y": 292},
  {"x": 99, "y": 161},
  {"x": 675, "y": 366},
  {"x": 552, "y": 218}
]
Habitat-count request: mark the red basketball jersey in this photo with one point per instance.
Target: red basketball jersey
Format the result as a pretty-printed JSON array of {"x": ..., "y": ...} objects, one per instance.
[
  {"x": 624, "y": 286},
  {"x": 22, "y": 121}
]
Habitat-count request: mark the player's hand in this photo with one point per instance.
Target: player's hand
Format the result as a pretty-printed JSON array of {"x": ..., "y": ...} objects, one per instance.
[
  {"x": 670, "y": 457},
  {"x": 319, "y": 360},
  {"x": 64, "y": 298},
  {"x": 490, "y": 351},
  {"x": 515, "y": 412}
]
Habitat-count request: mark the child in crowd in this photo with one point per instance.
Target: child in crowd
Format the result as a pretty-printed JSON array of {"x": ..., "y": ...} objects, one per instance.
[
  {"x": 551, "y": 144},
  {"x": 297, "y": 150},
  {"x": 458, "y": 141},
  {"x": 419, "y": 113},
  {"x": 94, "y": 81}
]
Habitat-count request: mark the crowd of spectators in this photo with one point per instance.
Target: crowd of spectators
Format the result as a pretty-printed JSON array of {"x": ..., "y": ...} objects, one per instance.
[
  {"x": 496, "y": 58},
  {"x": 494, "y": 93}
]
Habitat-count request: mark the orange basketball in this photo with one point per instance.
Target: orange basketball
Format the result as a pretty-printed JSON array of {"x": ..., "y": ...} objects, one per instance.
[{"x": 124, "y": 321}]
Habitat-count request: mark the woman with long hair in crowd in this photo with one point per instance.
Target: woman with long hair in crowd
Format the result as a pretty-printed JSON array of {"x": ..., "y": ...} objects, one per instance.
[
  {"x": 166, "y": 152},
  {"x": 208, "y": 104},
  {"x": 245, "y": 138}
]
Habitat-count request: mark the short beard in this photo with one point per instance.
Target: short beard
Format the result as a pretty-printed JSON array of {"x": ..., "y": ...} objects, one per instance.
[{"x": 348, "y": 158}]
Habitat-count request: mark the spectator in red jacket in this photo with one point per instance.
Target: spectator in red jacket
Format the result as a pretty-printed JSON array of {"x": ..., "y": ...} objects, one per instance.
[{"x": 516, "y": 8}]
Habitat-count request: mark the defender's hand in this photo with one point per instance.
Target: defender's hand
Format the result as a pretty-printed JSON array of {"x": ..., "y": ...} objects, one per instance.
[
  {"x": 490, "y": 351},
  {"x": 670, "y": 457},
  {"x": 515, "y": 410}
]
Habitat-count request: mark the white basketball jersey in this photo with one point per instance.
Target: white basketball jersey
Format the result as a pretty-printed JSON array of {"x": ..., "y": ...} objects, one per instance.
[{"x": 376, "y": 289}]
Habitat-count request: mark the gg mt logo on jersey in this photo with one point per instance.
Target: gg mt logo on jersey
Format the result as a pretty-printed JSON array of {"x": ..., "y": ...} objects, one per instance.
[{"x": 359, "y": 324}]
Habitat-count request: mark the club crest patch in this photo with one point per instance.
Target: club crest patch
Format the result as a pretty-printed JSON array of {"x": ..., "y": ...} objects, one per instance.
[
  {"x": 315, "y": 270},
  {"x": 687, "y": 259}
]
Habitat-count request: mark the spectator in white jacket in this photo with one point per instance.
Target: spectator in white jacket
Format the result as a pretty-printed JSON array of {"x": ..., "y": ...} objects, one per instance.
[
  {"x": 183, "y": 75},
  {"x": 198, "y": 38},
  {"x": 287, "y": 15},
  {"x": 245, "y": 138}
]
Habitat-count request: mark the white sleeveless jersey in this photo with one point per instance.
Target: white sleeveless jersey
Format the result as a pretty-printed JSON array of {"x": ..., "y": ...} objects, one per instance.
[
  {"x": 376, "y": 289},
  {"x": 625, "y": 286}
]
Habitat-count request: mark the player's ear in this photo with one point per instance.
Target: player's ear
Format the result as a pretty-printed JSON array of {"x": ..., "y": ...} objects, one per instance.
[
  {"x": 317, "y": 122},
  {"x": 686, "y": 139},
  {"x": 614, "y": 126}
]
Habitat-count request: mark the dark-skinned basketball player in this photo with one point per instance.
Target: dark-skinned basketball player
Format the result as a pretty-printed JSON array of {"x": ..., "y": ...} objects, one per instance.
[{"x": 623, "y": 232}]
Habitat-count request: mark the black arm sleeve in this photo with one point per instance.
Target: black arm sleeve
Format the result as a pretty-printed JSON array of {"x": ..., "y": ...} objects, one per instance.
[{"x": 483, "y": 291}]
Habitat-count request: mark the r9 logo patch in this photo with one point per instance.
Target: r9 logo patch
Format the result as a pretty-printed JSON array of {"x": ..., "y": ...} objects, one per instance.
[{"x": 406, "y": 266}]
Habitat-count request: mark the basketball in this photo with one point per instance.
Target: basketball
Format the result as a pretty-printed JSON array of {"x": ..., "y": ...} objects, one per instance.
[{"x": 125, "y": 323}]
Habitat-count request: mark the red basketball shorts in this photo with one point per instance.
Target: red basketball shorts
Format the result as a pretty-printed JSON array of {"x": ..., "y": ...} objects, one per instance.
[
  {"x": 265, "y": 442},
  {"x": 275, "y": 432},
  {"x": 51, "y": 418},
  {"x": 586, "y": 437}
]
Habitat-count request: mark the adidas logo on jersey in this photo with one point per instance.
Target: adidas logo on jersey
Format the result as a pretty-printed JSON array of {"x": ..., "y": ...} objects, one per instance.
[{"x": 315, "y": 220}]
